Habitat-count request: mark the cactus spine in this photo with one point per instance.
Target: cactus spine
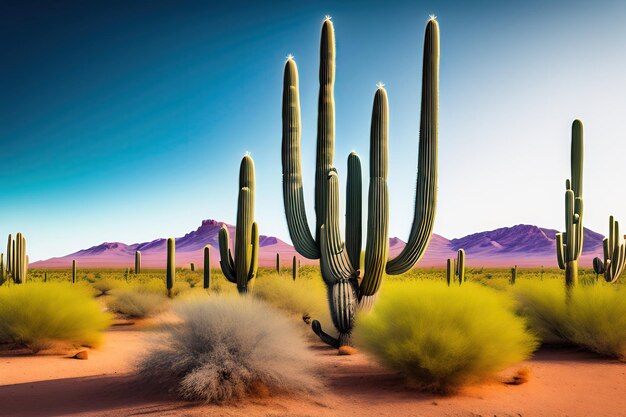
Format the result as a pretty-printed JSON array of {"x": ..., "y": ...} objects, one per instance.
[
  {"x": 614, "y": 254},
  {"x": 137, "y": 262},
  {"x": 294, "y": 269},
  {"x": 339, "y": 262},
  {"x": 278, "y": 263},
  {"x": 242, "y": 268},
  {"x": 170, "y": 272},
  {"x": 207, "y": 267},
  {"x": 73, "y": 271},
  {"x": 569, "y": 245}
]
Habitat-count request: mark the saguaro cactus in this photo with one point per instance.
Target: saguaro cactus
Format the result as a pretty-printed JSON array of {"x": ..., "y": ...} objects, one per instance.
[
  {"x": 9, "y": 267},
  {"x": 137, "y": 262},
  {"x": 295, "y": 271},
  {"x": 614, "y": 254},
  {"x": 347, "y": 286},
  {"x": 207, "y": 267},
  {"x": 192, "y": 267},
  {"x": 73, "y": 271},
  {"x": 278, "y": 262},
  {"x": 455, "y": 268},
  {"x": 513, "y": 275},
  {"x": 242, "y": 268},
  {"x": 569, "y": 245},
  {"x": 3, "y": 272},
  {"x": 170, "y": 272}
]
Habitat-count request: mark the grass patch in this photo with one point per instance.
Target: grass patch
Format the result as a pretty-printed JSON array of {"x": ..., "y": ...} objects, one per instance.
[
  {"x": 444, "y": 337},
  {"x": 228, "y": 348},
  {"x": 35, "y": 315},
  {"x": 135, "y": 303},
  {"x": 594, "y": 317}
]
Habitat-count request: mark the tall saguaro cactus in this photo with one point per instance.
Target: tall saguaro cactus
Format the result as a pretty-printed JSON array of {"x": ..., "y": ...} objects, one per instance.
[
  {"x": 242, "y": 268},
  {"x": 170, "y": 272},
  {"x": 348, "y": 286},
  {"x": 137, "y": 262},
  {"x": 19, "y": 262},
  {"x": 207, "y": 267},
  {"x": 614, "y": 254},
  {"x": 73, "y": 271},
  {"x": 569, "y": 245},
  {"x": 455, "y": 268}
]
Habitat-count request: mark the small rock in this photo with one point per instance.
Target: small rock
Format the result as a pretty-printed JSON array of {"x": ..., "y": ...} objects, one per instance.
[
  {"x": 346, "y": 350},
  {"x": 82, "y": 355}
]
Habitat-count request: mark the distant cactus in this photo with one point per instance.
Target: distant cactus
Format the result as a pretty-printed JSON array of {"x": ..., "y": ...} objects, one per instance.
[
  {"x": 455, "y": 268},
  {"x": 207, "y": 267},
  {"x": 3, "y": 272},
  {"x": 137, "y": 262},
  {"x": 340, "y": 265},
  {"x": 294, "y": 269},
  {"x": 73, "y": 271},
  {"x": 278, "y": 263},
  {"x": 45, "y": 277},
  {"x": 170, "y": 273},
  {"x": 127, "y": 274},
  {"x": 19, "y": 261},
  {"x": 9, "y": 267},
  {"x": 242, "y": 268},
  {"x": 513, "y": 274},
  {"x": 569, "y": 245},
  {"x": 614, "y": 254},
  {"x": 192, "y": 266}
]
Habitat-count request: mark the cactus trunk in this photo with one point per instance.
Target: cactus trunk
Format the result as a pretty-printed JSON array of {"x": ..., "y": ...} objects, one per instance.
[
  {"x": 73, "y": 271},
  {"x": 278, "y": 262},
  {"x": 207, "y": 267},
  {"x": 137, "y": 262},
  {"x": 294, "y": 269}
]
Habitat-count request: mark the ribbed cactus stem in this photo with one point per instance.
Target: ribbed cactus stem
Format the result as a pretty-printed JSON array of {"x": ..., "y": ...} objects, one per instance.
[
  {"x": 170, "y": 271},
  {"x": 569, "y": 245},
  {"x": 614, "y": 250},
  {"x": 460, "y": 266},
  {"x": 137, "y": 262},
  {"x": 278, "y": 262},
  {"x": 242, "y": 268},
  {"x": 73, "y": 271},
  {"x": 294, "y": 269},
  {"x": 207, "y": 267},
  {"x": 449, "y": 272}
]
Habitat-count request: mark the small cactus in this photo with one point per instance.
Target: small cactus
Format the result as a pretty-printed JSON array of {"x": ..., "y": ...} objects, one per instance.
[
  {"x": 294, "y": 269},
  {"x": 170, "y": 273},
  {"x": 455, "y": 268},
  {"x": 207, "y": 267},
  {"x": 242, "y": 268},
  {"x": 569, "y": 245},
  {"x": 513, "y": 274},
  {"x": 137, "y": 262},
  {"x": 192, "y": 266},
  {"x": 73, "y": 271},
  {"x": 278, "y": 263},
  {"x": 614, "y": 255}
]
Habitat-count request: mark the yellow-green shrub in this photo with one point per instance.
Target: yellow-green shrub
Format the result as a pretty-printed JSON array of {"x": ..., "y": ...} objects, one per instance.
[
  {"x": 36, "y": 314},
  {"x": 443, "y": 337},
  {"x": 593, "y": 317},
  {"x": 135, "y": 303},
  {"x": 306, "y": 297}
]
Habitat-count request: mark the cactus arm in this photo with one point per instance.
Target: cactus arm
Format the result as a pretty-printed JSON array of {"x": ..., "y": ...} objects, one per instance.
[
  {"x": 354, "y": 211},
  {"x": 377, "y": 244},
  {"x": 293, "y": 192},
  {"x": 578, "y": 220},
  {"x": 560, "y": 250},
  {"x": 426, "y": 193},
  {"x": 325, "y": 123},
  {"x": 334, "y": 263},
  {"x": 254, "y": 261},
  {"x": 326, "y": 338},
  {"x": 226, "y": 260},
  {"x": 570, "y": 226}
]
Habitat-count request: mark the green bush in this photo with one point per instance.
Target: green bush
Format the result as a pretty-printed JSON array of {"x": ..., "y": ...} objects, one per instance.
[
  {"x": 227, "y": 348},
  {"x": 443, "y": 337},
  {"x": 36, "y": 314},
  {"x": 594, "y": 316},
  {"x": 105, "y": 285},
  {"x": 136, "y": 303}
]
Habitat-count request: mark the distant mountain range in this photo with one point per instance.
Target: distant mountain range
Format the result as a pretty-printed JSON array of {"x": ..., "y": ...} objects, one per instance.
[{"x": 523, "y": 245}]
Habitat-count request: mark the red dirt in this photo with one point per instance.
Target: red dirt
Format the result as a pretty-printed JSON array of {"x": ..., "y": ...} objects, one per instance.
[{"x": 562, "y": 382}]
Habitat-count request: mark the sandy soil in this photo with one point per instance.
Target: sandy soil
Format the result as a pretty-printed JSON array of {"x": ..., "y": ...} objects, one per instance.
[{"x": 563, "y": 382}]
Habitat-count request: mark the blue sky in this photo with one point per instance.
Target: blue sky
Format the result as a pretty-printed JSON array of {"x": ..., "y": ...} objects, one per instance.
[{"x": 126, "y": 121}]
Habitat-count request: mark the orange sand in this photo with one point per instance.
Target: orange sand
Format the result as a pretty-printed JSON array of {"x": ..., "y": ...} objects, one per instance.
[{"x": 563, "y": 382}]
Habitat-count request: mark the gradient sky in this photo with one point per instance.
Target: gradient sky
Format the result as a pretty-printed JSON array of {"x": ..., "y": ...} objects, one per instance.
[{"x": 126, "y": 120}]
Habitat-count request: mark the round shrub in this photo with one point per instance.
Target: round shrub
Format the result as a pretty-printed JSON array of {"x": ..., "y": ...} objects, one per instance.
[
  {"x": 37, "y": 314},
  {"x": 227, "y": 348},
  {"x": 443, "y": 337},
  {"x": 135, "y": 303}
]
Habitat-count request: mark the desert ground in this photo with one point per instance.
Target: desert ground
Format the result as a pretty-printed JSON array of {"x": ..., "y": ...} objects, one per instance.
[{"x": 562, "y": 382}]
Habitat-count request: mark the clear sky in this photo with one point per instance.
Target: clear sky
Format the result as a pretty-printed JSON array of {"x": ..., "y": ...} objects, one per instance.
[{"x": 126, "y": 121}]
